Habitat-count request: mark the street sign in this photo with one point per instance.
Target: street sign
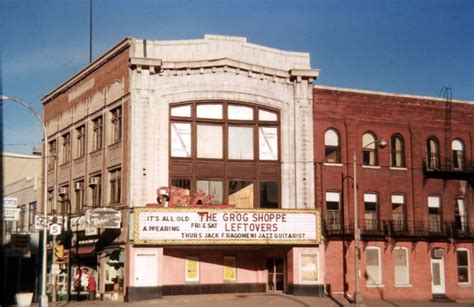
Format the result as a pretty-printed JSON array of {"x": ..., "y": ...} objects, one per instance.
[
  {"x": 11, "y": 212},
  {"x": 55, "y": 229},
  {"x": 40, "y": 221}
]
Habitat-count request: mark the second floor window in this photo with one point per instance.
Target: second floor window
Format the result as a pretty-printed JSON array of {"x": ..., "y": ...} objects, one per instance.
[
  {"x": 398, "y": 215},
  {"x": 432, "y": 153},
  {"x": 434, "y": 213},
  {"x": 333, "y": 214},
  {"x": 95, "y": 183},
  {"x": 116, "y": 125},
  {"x": 115, "y": 186},
  {"x": 331, "y": 144},
  {"x": 457, "y": 148},
  {"x": 80, "y": 141},
  {"x": 369, "y": 149},
  {"x": 97, "y": 133},
  {"x": 397, "y": 151},
  {"x": 52, "y": 154},
  {"x": 460, "y": 217},
  {"x": 371, "y": 209},
  {"x": 66, "y": 150},
  {"x": 78, "y": 196}
]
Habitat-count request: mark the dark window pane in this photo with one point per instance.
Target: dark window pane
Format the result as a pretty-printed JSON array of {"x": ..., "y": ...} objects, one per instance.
[
  {"x": 462, "y": 257},
  {"x": 269, "y": 194},
  {"x": 332, "y": 205},
  {"x": 372, "y": 207}
]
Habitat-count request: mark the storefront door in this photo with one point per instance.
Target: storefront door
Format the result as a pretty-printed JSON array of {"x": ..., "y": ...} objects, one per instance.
[
  {"x": 276, "y": 277},
  {"x": 437, "y": 276}
]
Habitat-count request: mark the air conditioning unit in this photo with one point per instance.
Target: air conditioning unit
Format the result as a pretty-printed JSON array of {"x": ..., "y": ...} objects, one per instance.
[
  {"x": 62, "y": 192},
  {"x": 437, "y": 253},
  {"x": 78, "y": 186},
  {"x": 93, "y": 181}
]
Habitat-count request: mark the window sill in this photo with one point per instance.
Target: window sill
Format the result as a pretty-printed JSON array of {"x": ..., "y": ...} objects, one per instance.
[
  {"x": 333, "y": 164},
  {"x": 403, "y": 286},
  {"x": 96, "y": 152},
  {"x": 115, "y": 145},
  {"x": 375, "y": 286},
  {"x": 79, "y": 159},
  {"x": 465, "y": 285},
  {"x": 394, "y": 168},
  {"x": 371, "y": 166}
]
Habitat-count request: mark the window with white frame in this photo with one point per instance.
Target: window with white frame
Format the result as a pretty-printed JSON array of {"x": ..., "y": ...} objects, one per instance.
[
  {"x": 457, "y": 147},
  {"x": 398, "y": 212},
  {"x": 460, "y": 217},
  {"x": 434, "y": 213},
  {"x": 463, "y": 265},
  {"x": 333, "y": 207},
  {"x": 373, "y": 266},
  {"x": 369, "y": 149},
  {"x": 331, "y": 144},
  {"x": 371, "y": 211},
  {"x": 401, "y": 266},
  {"x": 308, "y": 268}
]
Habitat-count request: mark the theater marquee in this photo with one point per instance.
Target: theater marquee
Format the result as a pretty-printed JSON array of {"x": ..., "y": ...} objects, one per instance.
[{"x": 164, "y": 226}]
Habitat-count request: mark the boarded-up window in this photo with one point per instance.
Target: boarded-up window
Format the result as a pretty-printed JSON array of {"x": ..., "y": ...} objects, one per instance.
[
  {"x": 373, "y": 269},
  {"x": 309, "y": 268},
  {"x": 400, "y": 262}
]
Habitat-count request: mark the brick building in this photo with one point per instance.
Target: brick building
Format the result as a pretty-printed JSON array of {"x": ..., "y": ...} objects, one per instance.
[
  {"x": 219, "y": 156},
  {"x": 415, "y": 200}
]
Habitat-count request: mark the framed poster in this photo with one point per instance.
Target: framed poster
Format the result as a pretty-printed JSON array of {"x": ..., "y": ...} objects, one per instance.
[
  {"x": 192, "y": 269},
  {"x": 309, "y": 268},
  {"x": 230, "y": 269}
]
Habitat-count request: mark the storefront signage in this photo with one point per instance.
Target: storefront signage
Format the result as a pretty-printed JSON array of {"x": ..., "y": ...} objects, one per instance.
[
  {"x": 103, "y": 218},
  {"x": 225, "y": 226},
  {"x": 11, "y": 212}
]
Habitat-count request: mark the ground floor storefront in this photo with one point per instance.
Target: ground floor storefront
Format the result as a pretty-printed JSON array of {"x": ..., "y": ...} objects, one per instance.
[
  {"x": 201, "y": 251},
  {"x": 402, "y": 270}
]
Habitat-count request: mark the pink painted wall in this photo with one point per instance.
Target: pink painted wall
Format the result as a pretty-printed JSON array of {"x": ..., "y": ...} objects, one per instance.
[{"x": 132, "y": 252}]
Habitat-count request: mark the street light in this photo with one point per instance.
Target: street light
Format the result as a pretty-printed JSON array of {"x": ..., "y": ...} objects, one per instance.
[
  {"x": 358, "y": 300},
  {"x": 44, "y": 297}
]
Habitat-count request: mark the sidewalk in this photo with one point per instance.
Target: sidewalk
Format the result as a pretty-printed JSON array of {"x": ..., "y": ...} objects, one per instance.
[{"x": 256, "y": 299}]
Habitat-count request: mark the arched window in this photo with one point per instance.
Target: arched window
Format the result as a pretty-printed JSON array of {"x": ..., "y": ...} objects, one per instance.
[
  {"x": 397, "y": 151},
  {"x": 432, "y": 153},
  {"x": 332, "y": 149},
  {"x": 369, "y": 149},
  {"x": 457, "y": 149}
]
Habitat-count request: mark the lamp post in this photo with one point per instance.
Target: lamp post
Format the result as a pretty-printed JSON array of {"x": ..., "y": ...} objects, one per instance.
[
  {"x": 44, "y": 297},
  {"x": 358, "y": 300}
]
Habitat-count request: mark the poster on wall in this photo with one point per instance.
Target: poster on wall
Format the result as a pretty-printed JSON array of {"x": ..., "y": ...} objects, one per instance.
[
  {"x": 230, "y": 269},
  {"x": 226, "y": 226},
  {"x": 192, "y": 269},
  {"x": 309, "y": 268}
]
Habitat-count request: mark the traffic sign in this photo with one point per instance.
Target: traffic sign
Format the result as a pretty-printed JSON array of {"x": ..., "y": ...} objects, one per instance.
[{"x": 55, "y": 229}]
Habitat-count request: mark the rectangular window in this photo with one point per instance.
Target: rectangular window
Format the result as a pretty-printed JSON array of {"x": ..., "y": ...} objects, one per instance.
[
  {"x": 269, "y": 194},
  {"x": 95, "y": 184},
  {"x": 212, "y": 187},
  {"x": 370, "y": 215},
  {"x": 230, "y": 269},
  {"x": 241, "y": 193},
  {"x": 333, "y": 214},
  {"x": 192, "y": 269},
  {"x": 181, "y": 111},
  {"x": 66, "y": 150},
  {"x": 116, "y": 121},
  {"x": 209, "y": 141},
  {"x": 50, "y": 200},
  {"x": 31, "y": 218},
  {"x": 212, "y": 111},
  {"x": 240, "y": 112},
  {"x": 81, "y": 141},
  {"x": 78, "y": 196},
  {"x": 181, "y": 140},
  {"x": 97, "y": 133},
  {"x": 373, "y": 268},
  {"x": 309, "y": 268},
  {"x": 462, "y": 256},
  {"x": 398, "y": 216},
  {"x": 52, "y": 149},
  {"x": 240, "y": 143},
  {"x": 23, "y": 219},
  {"x": 115, "y": 183},
  {"x": 400, "y": 262},
  {"x": 434, "y": 212},
  {"x": 268, "y": 143},
  {"x": 460, "y": 218}
]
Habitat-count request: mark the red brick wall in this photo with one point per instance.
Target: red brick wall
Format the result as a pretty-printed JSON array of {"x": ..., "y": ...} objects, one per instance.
[{"x": 353, "y": 114}]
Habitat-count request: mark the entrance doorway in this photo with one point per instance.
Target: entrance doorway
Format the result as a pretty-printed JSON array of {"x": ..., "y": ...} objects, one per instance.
[
  {"x": 276, "y": 274},
  {"x": 438, "y": 286}
]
